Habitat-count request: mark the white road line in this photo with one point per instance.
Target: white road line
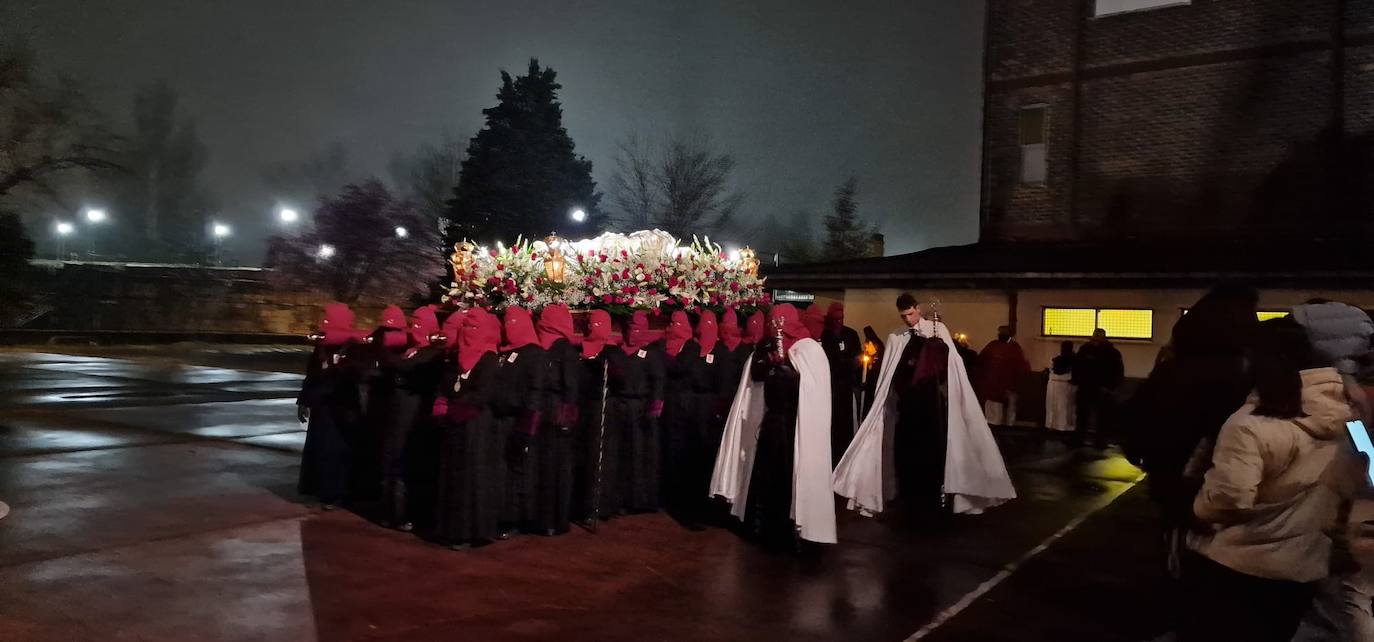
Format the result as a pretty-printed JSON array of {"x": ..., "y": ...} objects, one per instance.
[{"x": 982, "y": 589}]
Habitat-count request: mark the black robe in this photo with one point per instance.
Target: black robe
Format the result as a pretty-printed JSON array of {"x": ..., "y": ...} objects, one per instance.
[
  {"x": 920, "y": 442},
  {"x": 771, "y": 485},
  {"x": 601, "y": 486},
  {"x": 637, "y": 384},
  {"x": 842, "y": 351},
  {"x": 472, "y": 457},
  {"x": 554, "y": 446},
  {"x": 331, "y": 396},
  {"x": 407, "y": 446},
  {"x": 694, "y": 424},
  {"x": 518, "y": 408},
  {"x": 370, "y": 364}
]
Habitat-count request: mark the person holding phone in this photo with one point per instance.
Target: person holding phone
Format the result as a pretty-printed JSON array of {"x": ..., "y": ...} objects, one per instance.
[{"x": 1263, "y": 515}]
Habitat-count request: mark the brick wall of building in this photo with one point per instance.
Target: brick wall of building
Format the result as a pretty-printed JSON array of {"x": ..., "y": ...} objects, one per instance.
[{"x": 1192, "y": 119}]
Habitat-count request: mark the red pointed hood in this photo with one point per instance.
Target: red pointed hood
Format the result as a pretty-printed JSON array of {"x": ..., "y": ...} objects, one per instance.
[
  {"x": 452, "y": 329},
  {"x": 394, "y": 323},
  {"x": 519, "y": 329},
  {"x": 336, "y": 324},
  {"x": 729, "y": 330},
  {"x": 793, "y": 330},
  {"x": 479, "y": 334},
  {"x": 598, "y": 333},
  {"x": 423, "y": 323},
  {"x": 556, "y": 322},
  {"x": 834, "y": 318},
  {"x": 755, "y": 328},
  {"x": 814, "y": 320},
  {"x": 708, "y": 331},
  {"x": 637, "y": 332},
  {"x": 679, "y": 331}
]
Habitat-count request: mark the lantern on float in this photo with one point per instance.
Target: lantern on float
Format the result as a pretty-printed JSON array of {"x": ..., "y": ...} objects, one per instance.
[
  {"x": 554, "y": 264},
  {"x": 464, "y": 253},
  {"x": 748, "y": 259}
]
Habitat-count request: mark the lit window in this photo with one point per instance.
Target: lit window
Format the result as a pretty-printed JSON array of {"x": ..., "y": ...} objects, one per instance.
[
  {"x": 1082, "y": 322},
  {"x": 1269, "y": 315},
  {"x": 1030, "y": 127},
  {"x": 1109, "y": 7}
]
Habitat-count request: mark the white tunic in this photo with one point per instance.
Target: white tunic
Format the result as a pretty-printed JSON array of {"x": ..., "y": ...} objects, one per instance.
[
  {"x": 813, "y": 505},
  {"x": 975, "y": 474}
]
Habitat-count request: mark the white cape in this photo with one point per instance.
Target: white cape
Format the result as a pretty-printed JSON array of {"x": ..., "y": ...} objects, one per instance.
[
  {"x": 813, "y": 504},
  {"x": 975, "y": 474}
]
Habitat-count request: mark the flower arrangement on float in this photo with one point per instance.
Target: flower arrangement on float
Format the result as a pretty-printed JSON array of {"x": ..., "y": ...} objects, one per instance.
[{"x": 645, "y": 270}]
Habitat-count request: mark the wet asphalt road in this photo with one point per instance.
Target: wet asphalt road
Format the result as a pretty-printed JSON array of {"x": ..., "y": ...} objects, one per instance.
[{"x": 152, "y": 498}]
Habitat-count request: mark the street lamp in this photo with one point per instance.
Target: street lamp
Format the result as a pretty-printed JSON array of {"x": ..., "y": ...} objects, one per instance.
[
  {"x": 288, "y": 215},
  {"x": 64, "y": 229},
  {"x": 579, "y": 215},
  {"x": 326, "y": 251},
  {"x": 401, "y": 232},
  {"x": 94, "y": 216},
  {"x": 219, "y": 230}
]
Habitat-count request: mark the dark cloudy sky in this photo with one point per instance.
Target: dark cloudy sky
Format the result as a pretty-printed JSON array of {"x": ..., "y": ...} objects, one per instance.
[{"x": 802, "y": 92}]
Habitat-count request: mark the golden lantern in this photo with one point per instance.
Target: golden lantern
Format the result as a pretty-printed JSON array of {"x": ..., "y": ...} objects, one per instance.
[
  {"x": 464, "y": 254},
  {"x": 748, "y": 258},
  {"x": 554, "y": 264}
]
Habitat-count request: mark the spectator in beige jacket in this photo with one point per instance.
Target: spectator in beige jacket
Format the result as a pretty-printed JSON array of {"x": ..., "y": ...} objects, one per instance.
[{"x": 1265, "y": 508}]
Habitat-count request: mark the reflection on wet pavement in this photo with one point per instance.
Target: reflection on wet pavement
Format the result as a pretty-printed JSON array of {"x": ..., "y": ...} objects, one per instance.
[{"x": 167, "y": 511}]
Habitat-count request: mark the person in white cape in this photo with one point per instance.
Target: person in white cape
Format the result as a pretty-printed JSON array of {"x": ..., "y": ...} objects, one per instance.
[
  {"x": 773, "y": 465},
  {"x": 974, "y": 476}
]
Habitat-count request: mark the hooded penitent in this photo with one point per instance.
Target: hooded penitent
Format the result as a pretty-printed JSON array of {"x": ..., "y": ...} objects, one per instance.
[
  {"x": 679, "y": 332},
  {"x": 814, "y": 320},
  {"x": 637, "y": 332},
  {"x": 834, "y": 318},
  {"x": 337, "y": 325},
  {"x": 707, "y": 332},
  {"x": 423, "y": 324},
  {"x": 785, "y": 316},
  {"x": 452, "y": 328},
  {"x": 556, "y": 322},
  {"x": 519, "y": 329},
  {"x": 393, "y": 325},
  {"x": 729, "y": 330},
  {"x": 598, "y": 333},
  {"x": 755, "y": 328},
  {"x": 480, "y": 334}
]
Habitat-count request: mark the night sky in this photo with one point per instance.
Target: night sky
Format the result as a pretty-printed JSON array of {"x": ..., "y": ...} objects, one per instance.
[{"x": 802, "y": 92}]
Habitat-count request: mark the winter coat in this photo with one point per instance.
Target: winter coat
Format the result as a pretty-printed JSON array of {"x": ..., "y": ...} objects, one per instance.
[
  {"x": 1273, "y": 475},
  {"x": 1340, "y": 333}
]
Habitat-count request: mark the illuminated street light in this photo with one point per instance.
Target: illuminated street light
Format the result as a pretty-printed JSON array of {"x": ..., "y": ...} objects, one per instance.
[
  {"x": 221, "y": 230},
  {"x": 579, "y": 215},
  {"x": 326, "y": 251},
  {"x": 288, "y": 215},
  {"x": 96, "y": 216},
  {"x": 402, "y": 232},
  {"x": 63, "y": 229}
]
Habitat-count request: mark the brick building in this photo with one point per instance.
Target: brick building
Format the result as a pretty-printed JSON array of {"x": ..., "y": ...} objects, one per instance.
[
  {"x": 1168, "y": 118},
  {"x": 1138, "y": 152}
]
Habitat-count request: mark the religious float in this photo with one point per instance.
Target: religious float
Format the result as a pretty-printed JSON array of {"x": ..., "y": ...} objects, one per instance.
[{"x": 621, "y": 273}]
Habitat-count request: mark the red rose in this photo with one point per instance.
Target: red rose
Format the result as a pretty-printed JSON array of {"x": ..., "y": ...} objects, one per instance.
[{"x": 605, "y": 298}]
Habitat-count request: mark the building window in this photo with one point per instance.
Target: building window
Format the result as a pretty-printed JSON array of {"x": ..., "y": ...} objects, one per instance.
[
  {"x": 1030, "y": 124},
  {"x": 1109, "y": 7},
  {"x": 1269, "y": 315},
  {"x": 1082, "y": 322}
]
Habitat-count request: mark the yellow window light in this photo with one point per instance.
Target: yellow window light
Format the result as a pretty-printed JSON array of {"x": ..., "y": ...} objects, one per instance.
[
  {"x": 1270, "y": 315},
  {"x": 1069, "y": 322},
  {"x": 1127, "y": 324}
]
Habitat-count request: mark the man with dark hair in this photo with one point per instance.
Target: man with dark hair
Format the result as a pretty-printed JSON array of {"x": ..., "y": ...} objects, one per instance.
[{"x": 923, "y": 394}]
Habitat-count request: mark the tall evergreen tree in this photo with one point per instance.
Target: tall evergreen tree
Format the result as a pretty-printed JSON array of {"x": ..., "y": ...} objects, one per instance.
[
  {"x": 521, "y": 175},
  {"x": 846, "y": 237}
]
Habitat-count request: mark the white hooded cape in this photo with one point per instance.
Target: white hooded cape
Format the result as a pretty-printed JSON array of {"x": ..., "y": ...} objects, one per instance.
[
  {"x": 813, "y": 504},
  {"x": 975, "y": 474}
]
